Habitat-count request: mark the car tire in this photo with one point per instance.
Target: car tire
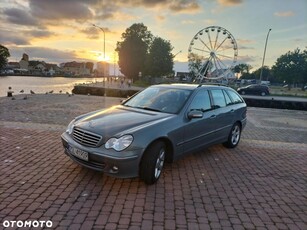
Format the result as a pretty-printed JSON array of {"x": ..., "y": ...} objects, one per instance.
[
  {"x": 152, "y": 162},
  {"x": 234, "y": 136}
]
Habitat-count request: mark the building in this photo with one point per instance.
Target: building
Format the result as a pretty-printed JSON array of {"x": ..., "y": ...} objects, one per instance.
[
  {"x": 24, "y": 62},
  {"x": 76, "y": 69}
]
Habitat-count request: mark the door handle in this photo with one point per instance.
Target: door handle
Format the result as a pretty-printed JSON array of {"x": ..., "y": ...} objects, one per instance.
[
  {"x": 232, "y": 110},
  {"x": 213, "y": 116}
]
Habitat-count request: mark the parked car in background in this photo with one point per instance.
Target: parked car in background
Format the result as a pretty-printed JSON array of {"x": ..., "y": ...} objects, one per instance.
[
  {"x": 254, "y": 89},
  {"x": 161, "y": 123}
]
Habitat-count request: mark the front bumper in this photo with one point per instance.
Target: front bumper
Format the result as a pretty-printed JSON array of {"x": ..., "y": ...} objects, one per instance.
[{"x": 123, "y": 164}]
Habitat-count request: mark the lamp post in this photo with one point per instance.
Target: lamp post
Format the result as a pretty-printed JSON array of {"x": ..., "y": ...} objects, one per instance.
[
  {"x": 266, "y": 42},
  {"x": 104, "y": 55},
  {"x": 177, "y": 53},
  {"x": 104, "y": 41}
]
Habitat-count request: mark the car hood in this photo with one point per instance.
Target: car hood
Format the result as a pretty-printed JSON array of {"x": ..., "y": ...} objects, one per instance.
[{"x": 119, "y": 120}]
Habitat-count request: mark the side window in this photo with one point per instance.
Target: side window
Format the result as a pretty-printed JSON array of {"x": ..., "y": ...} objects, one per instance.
[
  {"x": 201, "y": 101},
  {"x": 218, "y": 98},
  {"x": 235, "y": 97},
  {"x": 228, "y": 100}
]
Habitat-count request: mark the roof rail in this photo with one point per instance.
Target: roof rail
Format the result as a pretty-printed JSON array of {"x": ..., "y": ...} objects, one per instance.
[{"x": 218, "y": 84}]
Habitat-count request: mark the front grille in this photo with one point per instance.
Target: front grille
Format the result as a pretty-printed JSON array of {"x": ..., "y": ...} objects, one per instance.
[{"x": 86, "y": 138}]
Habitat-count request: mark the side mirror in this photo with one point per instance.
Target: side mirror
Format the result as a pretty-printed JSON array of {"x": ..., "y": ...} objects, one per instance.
[{"x": 195, "y": 114}]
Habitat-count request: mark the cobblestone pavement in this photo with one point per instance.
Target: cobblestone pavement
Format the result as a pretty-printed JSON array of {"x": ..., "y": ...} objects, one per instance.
[{"x": 261, "y": 184}]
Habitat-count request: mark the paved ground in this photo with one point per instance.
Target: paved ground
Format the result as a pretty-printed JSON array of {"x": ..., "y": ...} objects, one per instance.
[{"x": 261, "y": 184}]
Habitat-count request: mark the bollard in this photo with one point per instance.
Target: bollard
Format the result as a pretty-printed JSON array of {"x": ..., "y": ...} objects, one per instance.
[{"x": 10, "y": 92}]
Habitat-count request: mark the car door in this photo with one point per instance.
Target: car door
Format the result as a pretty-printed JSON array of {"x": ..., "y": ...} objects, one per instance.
[
  {"x": 257, "y": 90},
  {"x": 224, "y": 114},
  {"x": 254, "y": 89},
  {"x": 198, "y": 131}
]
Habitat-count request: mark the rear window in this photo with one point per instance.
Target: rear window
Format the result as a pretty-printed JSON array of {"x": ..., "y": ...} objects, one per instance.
[
  {"x": 228, "y": 100},
  {"x": 218, "y": 98},
  {"x": 235, "y": 97}
]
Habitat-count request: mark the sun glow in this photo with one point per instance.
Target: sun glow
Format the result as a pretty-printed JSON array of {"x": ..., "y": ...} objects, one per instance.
[
  {"x": 99, "y": 56},
  {"x": 102, "y": 58}
]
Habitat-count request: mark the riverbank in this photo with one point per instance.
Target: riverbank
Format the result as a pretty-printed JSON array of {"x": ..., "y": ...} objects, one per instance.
[
  {"x": 55, "y": 109},
  {"x": 110, "y": 89}
]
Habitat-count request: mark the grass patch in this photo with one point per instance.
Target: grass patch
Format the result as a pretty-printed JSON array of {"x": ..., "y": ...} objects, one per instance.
[
  {"x": 294, "y": 92},
  {"x": 141, "y": 83}
]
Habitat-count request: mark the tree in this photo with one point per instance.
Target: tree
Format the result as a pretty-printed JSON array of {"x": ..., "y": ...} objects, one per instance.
[
  {"x": 132, "y": 51},
  {"x": 291, "y": 67},
  {"x": 4, "y": 54},
  {"x": 266, "y": 74},
  {"x": 244, "y": 71},
  {"x": 195, "y": 63},
  {"x": 160, "y": 59},
  {"x": 242, "y": 68}
]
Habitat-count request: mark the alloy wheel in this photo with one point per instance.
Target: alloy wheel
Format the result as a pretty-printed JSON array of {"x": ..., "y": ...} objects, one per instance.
[
  {"x": 235, "y": 135},
  {"x": 159, "y": 163}
]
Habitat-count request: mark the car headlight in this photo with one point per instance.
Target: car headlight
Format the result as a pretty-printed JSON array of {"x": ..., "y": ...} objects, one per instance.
[
  {"x": 119, "y": 144},
  {"x": 70, "y": 127}
]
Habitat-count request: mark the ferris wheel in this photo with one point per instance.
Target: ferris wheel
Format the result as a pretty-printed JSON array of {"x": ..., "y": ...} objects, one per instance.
[{"x": 213, "y": 51}]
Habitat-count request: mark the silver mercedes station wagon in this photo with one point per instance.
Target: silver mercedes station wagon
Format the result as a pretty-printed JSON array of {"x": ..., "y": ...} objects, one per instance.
[{"x": 157, "y": 125}]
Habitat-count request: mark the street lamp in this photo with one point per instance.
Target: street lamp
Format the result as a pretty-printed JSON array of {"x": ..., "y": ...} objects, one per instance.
[
  {"x": 177, "y": 54},
  {"x": 104, "y": 41},
  {"x": 104, "y": 55},
  {"x": 266, "y": 42}
]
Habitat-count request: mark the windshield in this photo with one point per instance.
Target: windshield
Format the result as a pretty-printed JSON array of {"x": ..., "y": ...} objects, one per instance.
[{"x": 161, "y": 99}]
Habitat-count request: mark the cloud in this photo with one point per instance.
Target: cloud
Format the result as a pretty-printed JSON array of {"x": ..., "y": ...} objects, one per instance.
[
  {"x": 39, "y": 33},
  {"x": 210, "y": 21},
  {"x": 59, "y": 9},
  {"x": 175, "y": 6},
  {"x": 137, "y": 3},
  {"x": 19, "y": 17},
  {"x": 40, "y": 53},
  {"x": 183, "y": 6},
  {"x": 23, "y": 37},
  {"x": 13, "y": 38},
  {"x": 187, "y": 22},
  {"x": 242, "y": 47},
  {"x": 245, "y": 41},
  {"x": 284, "y": 14},
  {"x": 230, "y": 2},
  {"x": 246, "y": 59},
  {"x": 160, "y": 18},
  {"x": 245, "y": 44},
  {"x": 39, "y": 12},
  {"x": 91, "y": 32}
]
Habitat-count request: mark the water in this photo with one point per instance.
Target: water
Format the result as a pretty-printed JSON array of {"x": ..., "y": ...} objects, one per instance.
[{"x": 40, "y": 84}]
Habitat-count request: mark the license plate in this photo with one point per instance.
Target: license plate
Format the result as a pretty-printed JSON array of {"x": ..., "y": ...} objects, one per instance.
[{"x": 79, "y": 153}]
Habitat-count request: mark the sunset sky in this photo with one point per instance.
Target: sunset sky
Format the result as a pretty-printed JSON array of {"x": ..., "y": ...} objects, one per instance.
[{"x": 59, "y": 31}]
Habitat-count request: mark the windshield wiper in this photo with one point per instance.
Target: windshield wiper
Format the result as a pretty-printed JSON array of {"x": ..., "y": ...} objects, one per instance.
[
  {"x": 148, "y": 108},
  {"x": 143, "y": 107}
]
